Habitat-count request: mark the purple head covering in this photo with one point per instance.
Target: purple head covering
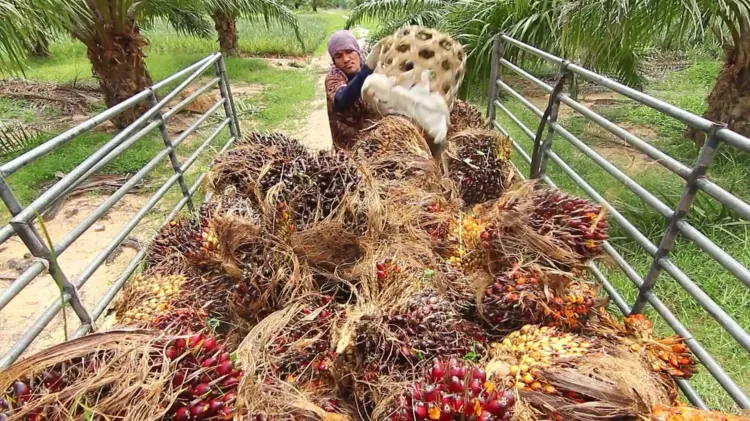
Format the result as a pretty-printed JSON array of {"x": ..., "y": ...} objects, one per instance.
[{"x": 343, "y": 40}]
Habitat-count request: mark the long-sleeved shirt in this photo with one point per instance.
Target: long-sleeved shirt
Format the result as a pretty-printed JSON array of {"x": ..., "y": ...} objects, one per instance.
[{"x": 347, "y": 113}]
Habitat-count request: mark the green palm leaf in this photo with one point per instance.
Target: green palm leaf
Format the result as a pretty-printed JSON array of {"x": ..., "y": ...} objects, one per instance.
[{"x": 258, "y": 11}]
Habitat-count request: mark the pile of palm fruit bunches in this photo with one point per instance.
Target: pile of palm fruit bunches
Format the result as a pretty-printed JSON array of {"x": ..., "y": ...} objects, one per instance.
[{"x": 380, "y": 284}]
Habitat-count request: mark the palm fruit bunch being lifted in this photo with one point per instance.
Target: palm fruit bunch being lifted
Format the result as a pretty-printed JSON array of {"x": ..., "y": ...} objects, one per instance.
[
  {"x": 453, "y": 390},
  {"x": 535, "y": 348},
  {"x": 478, "y": 162},
  {"x": 522, "y": 296}
]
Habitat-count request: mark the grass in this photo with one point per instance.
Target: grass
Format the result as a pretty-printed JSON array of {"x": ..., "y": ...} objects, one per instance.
[{"x": 687, "y": 89}]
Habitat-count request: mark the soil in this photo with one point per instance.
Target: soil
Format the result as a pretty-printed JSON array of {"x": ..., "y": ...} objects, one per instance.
[{"x": 33, "y": 300}]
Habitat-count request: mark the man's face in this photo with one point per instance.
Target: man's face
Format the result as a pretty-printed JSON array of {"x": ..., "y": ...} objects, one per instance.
[{"x": 347, "y": 61}]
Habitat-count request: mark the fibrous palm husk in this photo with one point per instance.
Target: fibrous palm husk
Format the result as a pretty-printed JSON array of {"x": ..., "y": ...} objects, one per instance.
[
  {"x": 395, "y": 149},
  {"x": 478, "y": 162},
  {"x": 682, "y": 412},
  {"x": 127, "y": 374}
]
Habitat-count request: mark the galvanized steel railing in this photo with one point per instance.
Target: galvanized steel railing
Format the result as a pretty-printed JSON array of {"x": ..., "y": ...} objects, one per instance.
[
  {"x": 22, "y": 222},
  {"x": 676, "y": 223}
]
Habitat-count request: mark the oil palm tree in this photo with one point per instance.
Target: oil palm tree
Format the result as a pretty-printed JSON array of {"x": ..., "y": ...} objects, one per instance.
[
  {"x": 226, "y": 12},
  {"x": 607, "y": 35}
]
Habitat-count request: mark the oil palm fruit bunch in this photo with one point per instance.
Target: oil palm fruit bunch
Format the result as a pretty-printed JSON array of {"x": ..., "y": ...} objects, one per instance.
[
  {"x": 530, "y": 296},
  {"x": 285, "y": 144},
  {"x": 184, "y": 240},
  {"x": 534, "y": 348},
  {"x": 453, "y": 390},
  {"x": 578, "y": 223},
  {"x": 301, "y": 352},
  {"x": 681, "y": 412},
  {"x": 478, "y": 163},
  {"x": 206, "y": 377},
  {"x": 465, "y": 115},
  {"x": 668, "y": 355},
  {"x": 429, "y": 326},
  {"x": 431, "y": 223},
  {"x": 22, "y": 395},
  {"x": 465, "y": 241}
]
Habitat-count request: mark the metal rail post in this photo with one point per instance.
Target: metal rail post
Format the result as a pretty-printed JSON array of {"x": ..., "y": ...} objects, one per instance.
[
  {"x": 496, "y": 72},
  {"x": 226, "y": 93},
  {"x": 683, "y": 207},
  {"x": 172, "y": 156},
  {"x": 549, "y": 118},
  {"x": 35, "y": 244}
]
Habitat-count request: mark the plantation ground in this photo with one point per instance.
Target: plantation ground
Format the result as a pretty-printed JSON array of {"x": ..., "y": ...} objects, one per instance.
[{"x": 271, "y": 94}]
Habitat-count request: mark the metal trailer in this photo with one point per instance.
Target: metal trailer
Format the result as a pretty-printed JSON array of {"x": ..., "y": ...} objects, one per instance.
[
  {"x": 675, "y": 219},
  {"x": 22, "y": 222}
]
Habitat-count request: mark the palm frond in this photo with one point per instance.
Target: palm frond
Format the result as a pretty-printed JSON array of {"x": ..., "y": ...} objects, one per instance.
[
  {"x": 258, "y": 11},
  {"x": 428, "y": 18},
  {"x": 185, "y": 16},
  {"x": 385, "y": 10}
]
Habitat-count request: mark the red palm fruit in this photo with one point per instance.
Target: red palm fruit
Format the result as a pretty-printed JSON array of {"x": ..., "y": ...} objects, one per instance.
[
  {"x": 202, "y": 389},
  {"x": 21, "y": 391},
  {"x": 195, "y": 340},
  {"x": 478, "y": 373},
  {"x": 486, "y": 416},
  {"x": 416, "y": 392},
  {"x": 438, "y": 371},
  {"x": 446, "y": 414},
  {"x": 229, "y": 398},
  {"x": 215, "y": 405},
  {"x": 182, "y": 414},
  {"x": 458, "y": 403},
  {"x": 420, "y": 410},
  {"x": 455, "y": 385},
  {"x": 476, "y": 387},
  {"x": 230, "y": 382},
  {"x": 180, "y": 344},
  {"x": 225, "y": 356},
  {"x": 430, "y": 393},
  {"x": 209, "y": 344},
  {"x": 224, "y": 368},
  {"x": 171, "y": 353},
  {"x": 208, "y": 362},
  {"x": 200, "y": 411}
]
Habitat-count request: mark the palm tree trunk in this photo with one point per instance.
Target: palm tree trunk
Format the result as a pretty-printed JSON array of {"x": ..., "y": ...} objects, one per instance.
[
  {"x": 118, "y": 62},
  {"x": 729, "y": 101},
  {"x": 226, "y": 26}
]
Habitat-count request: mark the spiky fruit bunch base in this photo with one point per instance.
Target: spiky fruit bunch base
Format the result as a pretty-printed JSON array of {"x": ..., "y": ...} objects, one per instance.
[
  {"x": 478, "y": 164},
  {"x": 667, "y": 355},
  {"x": 453, "y": 390}
]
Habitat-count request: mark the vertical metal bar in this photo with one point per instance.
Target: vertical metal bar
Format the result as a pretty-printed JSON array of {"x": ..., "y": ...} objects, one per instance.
[
  {"x": 495, "y": 73},
  {"x": 555, "y": 101},
  {"x": 574, "y": 87},
  {"x": 172, "y": 156},
  {"x": 549, "y": 118},
  {"x": 34, "y": 243},
  {"x": 226, "y": 93},
  {"x": 683, "y": 207}
]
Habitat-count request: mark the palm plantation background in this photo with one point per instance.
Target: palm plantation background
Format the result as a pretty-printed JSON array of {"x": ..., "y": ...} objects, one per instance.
[{"x": 692, "y": 53}]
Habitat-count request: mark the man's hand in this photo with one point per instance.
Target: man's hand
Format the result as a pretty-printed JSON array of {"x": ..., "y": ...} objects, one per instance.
[{"x": 374, "y": 56}]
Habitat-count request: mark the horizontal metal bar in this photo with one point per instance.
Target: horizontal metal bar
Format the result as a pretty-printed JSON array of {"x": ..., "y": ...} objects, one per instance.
[
  {"x": 50, "y": 195},
  {"x": 713, "y": 309},
  {"x": 190, "y": 98},
  {"x": 516, "y": 120},
  {"x": 615, "y": 172},
  {"x": 34, "y": 330},
  {"x": 94, "y": 216},
  {"x": 193, "y": 127},
  {"x": 717, "y": 253},
  {"x": 712, "y": 189},
  {"x": 535, "y": 51},
  {"x": 19, "y": 283},
  {"x": 203, "y": 146},
  {"x": 123, "y": 233},
  {"x": 690, "y": 119},
  {"x": 125, "y": 275},
  {"x": 63, "y": 138}
]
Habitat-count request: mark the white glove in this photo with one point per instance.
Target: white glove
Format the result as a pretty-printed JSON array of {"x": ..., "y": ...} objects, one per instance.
[{"x": 372, "y": 59}]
